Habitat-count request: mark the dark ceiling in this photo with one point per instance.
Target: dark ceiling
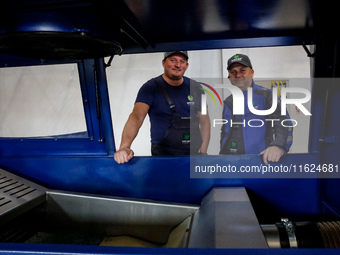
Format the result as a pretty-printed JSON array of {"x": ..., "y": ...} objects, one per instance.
[{"x": 154, "y": 25}]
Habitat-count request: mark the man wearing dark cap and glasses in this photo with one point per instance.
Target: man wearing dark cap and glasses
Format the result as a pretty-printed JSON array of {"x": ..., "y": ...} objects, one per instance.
[
  {"x": 272, "y": 140},
  {"x": 173, "y": 103}
]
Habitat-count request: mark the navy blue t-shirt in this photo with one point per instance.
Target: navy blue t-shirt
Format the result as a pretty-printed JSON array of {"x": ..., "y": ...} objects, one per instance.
[{"x": 159, "y": 112}]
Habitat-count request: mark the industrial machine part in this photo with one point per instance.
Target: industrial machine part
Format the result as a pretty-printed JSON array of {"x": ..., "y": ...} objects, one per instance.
[
  {"x": 17, "y": 196},
  {"x": 289, "y": 234},
  {"x": 225, "y": 219}
]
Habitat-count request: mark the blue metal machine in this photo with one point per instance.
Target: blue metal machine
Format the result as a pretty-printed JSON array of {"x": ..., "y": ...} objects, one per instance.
[{"x": 44, "y": 32}]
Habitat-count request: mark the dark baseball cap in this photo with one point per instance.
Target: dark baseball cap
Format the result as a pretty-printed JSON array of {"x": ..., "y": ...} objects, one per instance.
[
  {"x": 170, "y": 53},
  {"x": 239, "y": 58}
]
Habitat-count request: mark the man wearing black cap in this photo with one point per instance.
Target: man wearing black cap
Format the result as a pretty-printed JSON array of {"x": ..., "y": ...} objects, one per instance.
[
  {"x": 272, "y": 139},
  {"x": 173, "y": 103}
]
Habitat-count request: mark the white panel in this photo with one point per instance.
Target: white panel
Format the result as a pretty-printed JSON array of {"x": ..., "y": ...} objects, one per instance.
[{"x": 40, "y": 101}]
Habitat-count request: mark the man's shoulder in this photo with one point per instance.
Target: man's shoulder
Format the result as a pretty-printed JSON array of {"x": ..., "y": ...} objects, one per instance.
[
  {"x": 151, "y": 84},
  {"x": 192, "y": 83},
  {"x": 258, "y": 87},
  {"x": 148, "y": 91},
  {"x": 153, "y": 81},
  {"x": 260, "y": 90}
]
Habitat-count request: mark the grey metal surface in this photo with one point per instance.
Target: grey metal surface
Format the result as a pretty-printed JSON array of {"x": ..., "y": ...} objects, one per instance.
[
  {"x": 226, "y": 219},
  {"x": 147, "y": 220},
  {"x": 272, "y": 235},
  {"x": 18, "y": 195}
]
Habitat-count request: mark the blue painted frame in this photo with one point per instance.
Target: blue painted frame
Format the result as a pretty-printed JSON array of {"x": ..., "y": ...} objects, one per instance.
[
  {"x": 168, "y": 179},
  {"x": 100, "y": 142},
  {"x": 14, "y": 249},
  {"x": 86, "y": 165}
]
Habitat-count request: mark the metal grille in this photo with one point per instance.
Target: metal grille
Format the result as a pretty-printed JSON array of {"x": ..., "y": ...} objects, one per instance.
[{"x": 18, "y": 195}]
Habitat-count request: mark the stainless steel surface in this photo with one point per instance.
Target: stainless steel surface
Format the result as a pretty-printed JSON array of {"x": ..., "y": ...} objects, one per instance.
[
  {"x": 147, "y": 220},
  {"x": 226, "y": 219},
  {"x": 272, "y": 235},
  {"x": 18, "y": 195}
]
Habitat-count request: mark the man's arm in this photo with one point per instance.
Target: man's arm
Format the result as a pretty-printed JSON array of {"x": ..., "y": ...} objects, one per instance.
[
  {"x": 205, "y": 131},
  {"x": 279, "y": 145},
  {"x": 131, "y": 128}
]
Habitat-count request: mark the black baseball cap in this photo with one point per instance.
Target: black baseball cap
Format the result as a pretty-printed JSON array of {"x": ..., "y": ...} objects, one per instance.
[
  {"x": 170, "y": 53},
  {"x": 239, "y": 58}
]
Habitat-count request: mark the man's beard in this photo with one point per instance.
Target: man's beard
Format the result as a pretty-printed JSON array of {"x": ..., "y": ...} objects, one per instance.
[
  {"x": 242, "y": 83},
  {"x": 176, "y": 77}
]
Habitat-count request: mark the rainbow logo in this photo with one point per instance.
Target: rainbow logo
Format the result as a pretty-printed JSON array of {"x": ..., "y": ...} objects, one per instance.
[{"x": 209, "y": 93}]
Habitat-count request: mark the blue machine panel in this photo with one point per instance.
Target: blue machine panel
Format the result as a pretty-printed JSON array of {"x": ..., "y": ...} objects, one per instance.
[{"x": 87, "y": 165}]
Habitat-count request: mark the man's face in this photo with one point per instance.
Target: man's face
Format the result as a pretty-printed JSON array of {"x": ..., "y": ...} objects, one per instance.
[
  {"x": 175, "y": 66},
  {"x": 241, "y": 76}
]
